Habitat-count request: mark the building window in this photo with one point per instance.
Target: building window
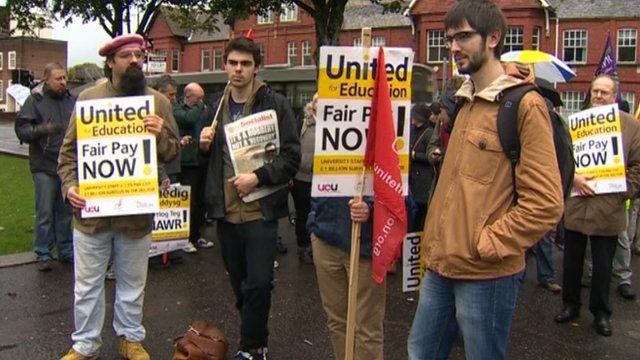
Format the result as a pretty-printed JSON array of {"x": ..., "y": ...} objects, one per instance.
[
  {"x": 175, "y": 60},
  {"x": 513, "y": 39},
  {"x": 1, "y": 90},
  {"x": 1, "y": 60},
  {"x": 572, "y": 102},
  {"x": 291, "y": 51},
  {"x": 627, "y": 42},
  {"x": 377, "y": 41},
  {"x": 630, "y": 97},
  {"x": 306, "y": 53},
  {"x": 205, "y": 63},
  {"x": 357, "y": 42},
  {"x": 289, "y": 13},
  {"x": 217, "y": 59},
  {"x": 436, "y": 50},
  {"x": 261, "y": 48},
  {"x": 266, "y": 18},
  {"x": 291, "y": 95},
  {"x": 575, "y": 46},
  {"x": 535, "y": 38},
  {"x": 12, "y": 60}
]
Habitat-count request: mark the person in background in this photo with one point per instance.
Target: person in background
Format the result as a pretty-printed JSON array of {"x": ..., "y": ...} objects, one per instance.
[
  {"x": 301, "y": 189},
  {"x": 42, "y": 122},
  {"x": 421, "y": 172}
]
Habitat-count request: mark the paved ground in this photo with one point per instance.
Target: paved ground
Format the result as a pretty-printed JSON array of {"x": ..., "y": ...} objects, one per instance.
[
  {"x": 9, "y": 143},
  {"x": 36, "y": 314}
]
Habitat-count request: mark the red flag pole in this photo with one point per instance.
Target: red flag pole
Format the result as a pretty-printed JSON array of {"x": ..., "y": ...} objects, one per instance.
[{"x": 354, "y": 261}]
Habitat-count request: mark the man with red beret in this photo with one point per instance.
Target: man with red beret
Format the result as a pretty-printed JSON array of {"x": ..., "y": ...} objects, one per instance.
[{"x": 127, "y": 238}]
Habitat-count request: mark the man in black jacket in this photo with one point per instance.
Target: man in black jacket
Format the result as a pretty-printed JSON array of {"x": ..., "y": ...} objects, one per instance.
[
  {"x": 42, "y": 122},
  {"x": 248, "y": 230},
  {"x": 421, "y": 171}
]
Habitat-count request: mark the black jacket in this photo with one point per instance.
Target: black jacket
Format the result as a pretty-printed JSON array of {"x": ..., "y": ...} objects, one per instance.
[
  {"x": 279, "y": 172},
  {"x": 420, "y": 171},
  {"x": 41, "y": 108}
]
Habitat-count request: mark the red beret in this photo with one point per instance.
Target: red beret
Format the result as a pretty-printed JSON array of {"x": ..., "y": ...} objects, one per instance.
[{"x": 115, "y": 44}]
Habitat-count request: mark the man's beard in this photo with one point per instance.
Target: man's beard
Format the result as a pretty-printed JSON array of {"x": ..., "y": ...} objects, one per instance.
[
  {"x": 54, "y": 94},
  {"x": 132, "y": 82},
  {"x": 475, "y": 63}
]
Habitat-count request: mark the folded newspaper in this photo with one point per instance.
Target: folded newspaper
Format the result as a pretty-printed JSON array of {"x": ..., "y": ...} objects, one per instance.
[{"x": 253, "y": 142}]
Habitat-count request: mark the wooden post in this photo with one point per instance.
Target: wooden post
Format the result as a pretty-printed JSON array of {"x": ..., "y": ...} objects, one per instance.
[{"x": 354, "y": 263}]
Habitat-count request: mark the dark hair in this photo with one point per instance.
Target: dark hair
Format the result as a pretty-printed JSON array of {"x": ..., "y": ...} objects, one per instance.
[
  {"x": 483, "y": 16},
  {"x": 242, "y": 44},
  {"x": 106, "y": 69},
  {"x": 50, "y": 67},
  {"x": 163, "y": 82}
]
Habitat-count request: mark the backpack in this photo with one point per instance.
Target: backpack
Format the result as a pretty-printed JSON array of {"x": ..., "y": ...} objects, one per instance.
[{"x": 510, "y": 141}]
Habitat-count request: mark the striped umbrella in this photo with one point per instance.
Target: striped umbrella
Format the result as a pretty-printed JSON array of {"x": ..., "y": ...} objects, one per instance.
[{"x": 545, "y": 66}]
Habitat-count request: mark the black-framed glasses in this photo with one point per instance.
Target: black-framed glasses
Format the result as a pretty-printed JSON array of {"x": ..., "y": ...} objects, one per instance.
[{"x": 461, "y": 38}]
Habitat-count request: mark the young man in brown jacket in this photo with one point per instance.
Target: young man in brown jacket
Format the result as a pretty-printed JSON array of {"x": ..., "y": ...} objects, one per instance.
[
  {"x": 598, "y": 218},
  {"x": 475, "y": 235},
  {"x": 126, "y": 237}
]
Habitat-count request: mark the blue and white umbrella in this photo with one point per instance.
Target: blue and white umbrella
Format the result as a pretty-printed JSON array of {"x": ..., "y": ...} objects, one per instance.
[{"x": 545, "y": 66}]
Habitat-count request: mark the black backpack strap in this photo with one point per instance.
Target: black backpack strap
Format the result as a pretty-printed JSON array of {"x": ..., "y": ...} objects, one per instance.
[
  {"x": 508, "y": 126},
  {"x": 452, "y": 120}
]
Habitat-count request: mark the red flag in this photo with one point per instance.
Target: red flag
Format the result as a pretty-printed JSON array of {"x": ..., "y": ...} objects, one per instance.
[{"x": 389, "y": 212}]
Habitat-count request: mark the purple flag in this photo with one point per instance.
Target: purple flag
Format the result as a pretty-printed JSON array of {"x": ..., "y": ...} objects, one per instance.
[{"x": 607, "y": 63}]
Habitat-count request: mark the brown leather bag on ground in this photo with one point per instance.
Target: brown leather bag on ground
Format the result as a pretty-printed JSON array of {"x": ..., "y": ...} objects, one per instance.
[{"x": 201, "y": 342}]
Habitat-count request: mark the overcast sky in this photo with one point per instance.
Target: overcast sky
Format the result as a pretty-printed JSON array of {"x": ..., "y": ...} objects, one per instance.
[{"x": 83, "y": 41}]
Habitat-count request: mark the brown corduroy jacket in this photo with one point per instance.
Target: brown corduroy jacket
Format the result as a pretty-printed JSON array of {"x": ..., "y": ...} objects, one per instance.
[{"x": 473, "y": 229}]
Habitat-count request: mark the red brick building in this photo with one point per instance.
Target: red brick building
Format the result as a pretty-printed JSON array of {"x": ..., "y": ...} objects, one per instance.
[
  {"x": 27, "y": 54},
  {"x": 573, "y": 30}
]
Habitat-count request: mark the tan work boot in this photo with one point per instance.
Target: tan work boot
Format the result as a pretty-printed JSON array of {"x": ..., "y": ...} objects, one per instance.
[
  {"x": 72, "y": 354},
  {"x": 132, "y": 350}
]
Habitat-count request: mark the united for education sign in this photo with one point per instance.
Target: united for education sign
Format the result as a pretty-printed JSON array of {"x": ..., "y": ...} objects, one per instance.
[
  {"x": 117, "y": 165},
  {"x": 345, "y": 88},
  {"x": 597, "y": 148}
]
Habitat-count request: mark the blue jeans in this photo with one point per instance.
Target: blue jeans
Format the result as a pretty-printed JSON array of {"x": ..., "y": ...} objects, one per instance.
[
  {"x": 481, "y": 309},
  {"x": 130, "y": 261},
  {"x": 543, "y": 251},
  {"x": 53, "y": 219}
]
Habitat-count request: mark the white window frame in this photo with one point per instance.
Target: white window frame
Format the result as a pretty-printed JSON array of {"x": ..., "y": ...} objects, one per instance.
[
  {"x": 289, "y": 13},
  {"x": 292, "y": 56},
  {"x": 306, "y": 53},
  {"x": 627, "y": 38},
  {"x": 11, "y": 60},
  {"x": 175, "y": 55},
  {"x": 265, "y": 19},
  {"x": 631, "y": 99},
  {"x": 205, "y": 65},
  {"x": 575, "y": 39},
  {"x": 1, "y": 60},
  {"x": 357, "y": 42},
  {"x": 535, "y": 38},
  {"x": 435, "y": 45},
  {"x": 572, "y": 101},
  {"x": 378, "y": 41},
  {"x": 513, "y": 39},
  {"x": 217, "y": 59},
  {"x": 1, "y": 90}
]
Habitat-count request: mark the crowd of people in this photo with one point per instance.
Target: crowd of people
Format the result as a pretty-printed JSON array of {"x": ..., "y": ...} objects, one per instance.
[{"x": 479, "y": 212}]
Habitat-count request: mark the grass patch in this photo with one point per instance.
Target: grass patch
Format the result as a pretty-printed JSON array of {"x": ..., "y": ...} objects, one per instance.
[{"x": 16, "y": 205}]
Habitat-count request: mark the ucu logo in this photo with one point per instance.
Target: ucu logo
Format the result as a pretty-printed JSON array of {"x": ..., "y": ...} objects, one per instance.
[
  {"x": 327, "y": 187},
  {"x": 92, "y": 209}
]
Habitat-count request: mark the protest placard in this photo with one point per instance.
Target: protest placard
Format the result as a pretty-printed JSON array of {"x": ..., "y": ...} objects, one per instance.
[
  {"x": 345, "y": 89},
  {"x": 413, "y": 262},
  {"x": 117, "y": 165},
  {"x": 171, "y": 223},
  {"x": 597, "y": 148},
  {"x": 254, "y": 141}
]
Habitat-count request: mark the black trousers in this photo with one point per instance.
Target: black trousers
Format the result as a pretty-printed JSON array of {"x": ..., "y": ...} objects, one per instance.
[
  {"x": 602, "y": 250},
  {"x": 248, "y": 251},
  {"x": 301, "y": 193},
  {"x": 193, "y": 176}
]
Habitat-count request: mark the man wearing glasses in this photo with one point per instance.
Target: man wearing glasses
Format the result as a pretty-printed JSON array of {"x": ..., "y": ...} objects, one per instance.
[
  {"x": 475, "y": 233},
  {"x": 126, "y": 237},
  {"x": 248, "y": 231}
]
